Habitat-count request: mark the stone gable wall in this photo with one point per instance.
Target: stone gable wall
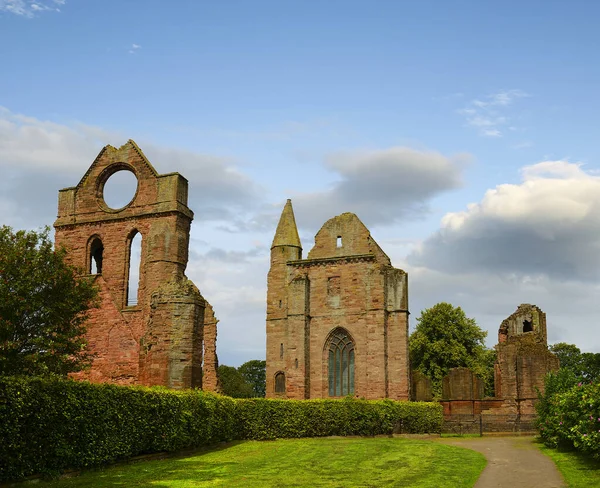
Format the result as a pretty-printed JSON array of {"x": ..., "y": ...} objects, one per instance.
[
  {"x": 160, "y": 339},
  {"x": 351, "y": 286}
]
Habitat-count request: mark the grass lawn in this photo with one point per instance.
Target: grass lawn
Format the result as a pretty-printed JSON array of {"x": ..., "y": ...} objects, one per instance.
[
  {"x": 340, "y": 462},
  {"x": 578, "y": 470}
]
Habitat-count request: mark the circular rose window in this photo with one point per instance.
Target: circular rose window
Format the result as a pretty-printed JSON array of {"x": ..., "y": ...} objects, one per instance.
[{"x": 120, "y": 189}]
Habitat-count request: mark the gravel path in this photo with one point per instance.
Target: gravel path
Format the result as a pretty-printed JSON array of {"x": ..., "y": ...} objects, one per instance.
[{"x": 513, "y": 462}]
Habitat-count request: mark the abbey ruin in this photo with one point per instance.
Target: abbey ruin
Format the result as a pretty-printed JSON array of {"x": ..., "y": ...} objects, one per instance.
[
  {"x": 522, "y": 362},
  {"x": 166, "y": 335},
  {"x": 336, "y": 320}
]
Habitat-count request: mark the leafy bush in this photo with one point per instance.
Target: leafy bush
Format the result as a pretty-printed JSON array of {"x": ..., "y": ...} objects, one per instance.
[
  {"x": 49, "y": 425},
  {"x": 569, "y": 416}
]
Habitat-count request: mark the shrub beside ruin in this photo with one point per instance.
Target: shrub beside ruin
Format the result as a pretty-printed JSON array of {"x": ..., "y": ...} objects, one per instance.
[
  {"x": 51, "y": 425},
  {"x": 570, "y": 418}
]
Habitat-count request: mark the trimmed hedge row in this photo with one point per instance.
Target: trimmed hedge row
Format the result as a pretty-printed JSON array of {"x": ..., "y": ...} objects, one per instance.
[
  {"x": 50, "y": 425},
  {"x": 271, "y": 419}
]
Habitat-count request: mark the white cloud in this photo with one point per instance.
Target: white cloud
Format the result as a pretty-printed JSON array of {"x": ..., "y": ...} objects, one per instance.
[
  {"x": 488, "y": 114},
  {"x": 235, "y": 285},
  {"x": 39, "y": 157},
  {"x": 523, "y": 145},
  {"x": 28, "y": 8},
  {"x": 571, "y": 308},
  {"x": 44, "y": 145},
  {"x": 381, "y": 186},
  {"x": 134, "y": 47},
  {"x": 502, "y": 98},
  {"x": 548, "y": 225}
]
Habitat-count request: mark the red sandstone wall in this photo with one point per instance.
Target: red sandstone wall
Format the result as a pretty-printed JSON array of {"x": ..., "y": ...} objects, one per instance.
[
  {"x": 113, "y": 336},
  {"x": 353, "y": 287},
  {"x": 211, "y": 362},
  {"x": 159, "y": 340}
]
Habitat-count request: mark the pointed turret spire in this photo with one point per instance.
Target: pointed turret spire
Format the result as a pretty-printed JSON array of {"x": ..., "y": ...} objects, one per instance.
[{"x": 287, "y": 232}]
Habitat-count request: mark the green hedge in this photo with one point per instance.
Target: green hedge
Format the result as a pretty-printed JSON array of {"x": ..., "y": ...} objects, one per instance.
[
  {"x": 50, "y": 425},
  {"x": 270, "y": 419}
]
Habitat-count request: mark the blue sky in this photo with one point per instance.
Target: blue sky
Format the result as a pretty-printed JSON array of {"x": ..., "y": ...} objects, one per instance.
[{"x": 403, "y": 112}]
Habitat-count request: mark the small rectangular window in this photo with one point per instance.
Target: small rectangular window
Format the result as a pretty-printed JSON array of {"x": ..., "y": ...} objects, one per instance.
[
  {"x": 281, "y": 351},
  {"x": 339, "y": 241}
]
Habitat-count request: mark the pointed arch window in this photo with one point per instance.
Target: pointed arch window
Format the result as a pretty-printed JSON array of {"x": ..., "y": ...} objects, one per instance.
[
  {"x": 133, "y": 272},
  {"x": 96, "y": 251},
  {"x": 341, "y": 364}
]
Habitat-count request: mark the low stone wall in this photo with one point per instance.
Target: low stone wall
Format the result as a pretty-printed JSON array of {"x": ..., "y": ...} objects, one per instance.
[
  {"x": 470, "y": 407},
  {"x": 488, "y": 424}
]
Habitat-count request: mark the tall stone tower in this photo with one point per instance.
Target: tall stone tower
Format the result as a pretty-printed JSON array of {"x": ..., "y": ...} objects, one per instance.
[
  {"x": 523, "y": 359},
  {"x": 337, "y": 322},
  {"x": 158, "y": 337}
]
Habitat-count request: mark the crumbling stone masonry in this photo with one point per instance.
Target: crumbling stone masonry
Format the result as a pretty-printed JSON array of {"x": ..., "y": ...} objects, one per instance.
[
  {"x": 167, "y": 334},
  {"x": 462, "y": 384},
  {"x": 523, "y": 359},
  {"x": 421, "y": 388},
  {"x": 337, "y": 321}
]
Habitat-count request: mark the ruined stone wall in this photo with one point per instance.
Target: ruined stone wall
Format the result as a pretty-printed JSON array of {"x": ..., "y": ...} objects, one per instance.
[
  {"x": 523, "y": 359},
  {"x": 210, "y": 381},
  {"x": 347, "y": 282},
  {"x": 421, "y": 388},
  {"x": 462, "y": 384},
  {"x": 159, "y": 340}
]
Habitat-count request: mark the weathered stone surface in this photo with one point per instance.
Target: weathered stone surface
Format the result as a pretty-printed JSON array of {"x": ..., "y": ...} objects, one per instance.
[
  {"x": 462, "y": 384},
  {"x": 158, "y": 341},
  {"x": 523, "y": 359},
  {"x": 421, "y": 387},
  {"x": 346, "y": 284}
]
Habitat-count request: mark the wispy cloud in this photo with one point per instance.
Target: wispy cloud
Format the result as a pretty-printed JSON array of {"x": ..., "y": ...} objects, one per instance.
[
  {"x": 134, "y": 48},
  {"x": 28, "y": 8},
  {"x": 489, "y": 114},
  {"x": 523, "y": 145},
  {"x": 491, "y": 132}
]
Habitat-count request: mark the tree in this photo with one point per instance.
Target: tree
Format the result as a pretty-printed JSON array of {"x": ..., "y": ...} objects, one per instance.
[
  {"x": 232, "y": 383},
  {"x": 569, "y": 355},
  {"x": 254, "y": 373},
  {"x": 590, "y": 366},
  {"x": 43, "y": 307},
  {"x": 446, "y": 338},
  {"x": 584, "y": 366}
]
